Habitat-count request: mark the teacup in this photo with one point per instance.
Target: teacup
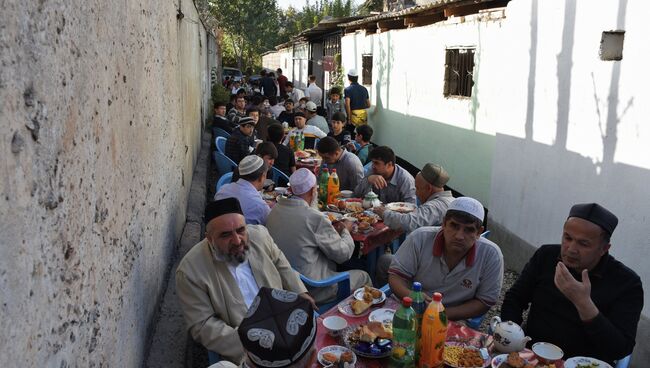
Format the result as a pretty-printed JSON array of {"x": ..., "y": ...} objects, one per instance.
[
  {"x": 335, "y": 325},
  {"x": 547, "y": 353}
]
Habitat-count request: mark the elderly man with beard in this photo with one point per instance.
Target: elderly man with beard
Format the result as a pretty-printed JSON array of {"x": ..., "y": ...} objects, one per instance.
[
  {"x": 220, "y": 276},
  {"x": 311, "y": 243}
]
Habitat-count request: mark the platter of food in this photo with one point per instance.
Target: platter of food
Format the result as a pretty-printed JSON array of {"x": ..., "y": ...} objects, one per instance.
[
  {"x": 369, "y": 340},
  {"x": 354, "y": 308},
  {"x": 365, "y": 216},
  {"x": 336, "y": 354},
  {"x": 332, "y": 216},
  {"x": 585, "y": 362},
  {"x": 383, "y": 315},
  {"x": 514, "y": 360},
  {"x": 458, "y": 355},
  {"x": 370, "y": 295},
  {"x": 353, "y": 206},
  {"x": 270, "y": 196},
  {"x": 402, "y": 207}
]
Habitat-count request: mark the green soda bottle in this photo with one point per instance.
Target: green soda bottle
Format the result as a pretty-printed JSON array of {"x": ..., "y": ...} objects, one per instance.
[
  {"x": 419, "y": 306},
  {"x": 405, "y": 327},
  {"x": 322, "y": 185}
]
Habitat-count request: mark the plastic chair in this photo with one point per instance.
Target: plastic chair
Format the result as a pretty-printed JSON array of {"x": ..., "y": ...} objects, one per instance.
[
  {"x": 213, "y": 357},
  {"x": 624, "y": 363},
  {"x": 224, "y": 163},
  {"x": 367, "y": 168},
  {"x": 342, "y": 279},
  {"x": 386, "y": 289},
  {"x": 486, "y": 234},
  {"x": 279, "y": 178},
  {"x": 475, "y": 323},
  {"x": 224, "y": 179},
  {"x": 218, "y": 132},
  {"x": 221, "y": 144}
]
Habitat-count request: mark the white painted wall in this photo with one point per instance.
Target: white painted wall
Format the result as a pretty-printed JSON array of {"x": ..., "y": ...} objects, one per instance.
[
  {"x": 271, "y": 60},
  {"x": 549, "y": 123},
  {"x": 286, "y": 62}
]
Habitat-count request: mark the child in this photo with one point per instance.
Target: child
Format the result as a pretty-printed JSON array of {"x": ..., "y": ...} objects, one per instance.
[
  {"x": 285, "y": 160},
  {"x": 335, "y": 105},
  {"x": 364, "y": 133},
  {"x": 338, "y": 131}
]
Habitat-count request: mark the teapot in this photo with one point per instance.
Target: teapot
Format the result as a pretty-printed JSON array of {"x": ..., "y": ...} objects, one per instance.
[
  {"x": 370, "y": 200},
  {"x": 508, "y": 336}
]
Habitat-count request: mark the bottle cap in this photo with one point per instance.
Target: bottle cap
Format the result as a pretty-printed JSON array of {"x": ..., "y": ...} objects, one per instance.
[
  {"x": 326, "y": 169},
  {"x": 406, "y": 301},
  {"x": 437, "y": 297},
  {"x": 333, "y": 170},
  {"x": 417, "y": 286}
]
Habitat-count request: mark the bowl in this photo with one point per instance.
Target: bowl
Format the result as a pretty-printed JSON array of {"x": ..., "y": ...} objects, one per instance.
[
  {"x": 281, "y": 190},
  {"x": 547, "y": 353},
  {"x": 346, "y": 193},
  {"x": 335, "y": 325}
]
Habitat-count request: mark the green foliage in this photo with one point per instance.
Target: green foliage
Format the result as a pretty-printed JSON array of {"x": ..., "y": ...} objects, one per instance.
[
  {"x": 220, "y": 93},
  {"x": 371, "y": 6},
  {"x": 337, "y": 75}
]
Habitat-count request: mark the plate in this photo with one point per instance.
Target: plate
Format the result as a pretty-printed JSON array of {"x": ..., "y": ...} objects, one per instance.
[
  {"x": 332, "y": 216},
  {"x": 335, "y": 349},
  {"x": 483, "y": 352},
  {"x": 500, "y": 359},
  {"x": 363, "y": 349},
  {"x": 402, "y": 207},
  {"x": 358, "y": 295},
  {"x": 346, "y": 309},
  {"x": 383, "y": 315},
  {"x": 576, "y": 362},
  {"x": 526, "y": 354}
]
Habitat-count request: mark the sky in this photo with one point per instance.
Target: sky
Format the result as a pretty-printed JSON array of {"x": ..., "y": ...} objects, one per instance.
[{"x": 298, "y": 4}]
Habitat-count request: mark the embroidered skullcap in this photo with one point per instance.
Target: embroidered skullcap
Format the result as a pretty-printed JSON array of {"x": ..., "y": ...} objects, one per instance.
[
  {"x": 597, "y": 214},
  {"x": 353, "y": 73},
  {"x": 302, "y": 181},
  {"x": 250, "y": 164},
  {"x": 468, "y": 205},
  {"x": 221, "y": 207},
  {"x": 278, "y": 329},
  {"x": 435, "y": 175}
]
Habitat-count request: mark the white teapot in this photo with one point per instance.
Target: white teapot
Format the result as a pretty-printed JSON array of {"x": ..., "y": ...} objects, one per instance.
[
  {"x": 508, "y": 336},
  {"x": 371, "y": 200}
]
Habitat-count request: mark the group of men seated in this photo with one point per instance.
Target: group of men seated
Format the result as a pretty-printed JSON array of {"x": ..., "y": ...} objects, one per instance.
[{"x": 576, "y": 294}]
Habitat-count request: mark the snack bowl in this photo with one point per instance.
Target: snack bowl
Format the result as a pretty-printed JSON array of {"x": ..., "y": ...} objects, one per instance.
[
  {"x": 335, "y": 325},
  {"x": 346, "y": 193},
  {"x": 547, "y": 352}
]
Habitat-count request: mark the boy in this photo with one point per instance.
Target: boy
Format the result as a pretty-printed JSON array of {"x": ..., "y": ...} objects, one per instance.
[
  {"x": 285, "y": 160},
  {"x": 335, "y": 105},
  {"x": 286, "y": 116},
  {"x": 364, "y": 133},
  {"x": 338, "y": 131}
]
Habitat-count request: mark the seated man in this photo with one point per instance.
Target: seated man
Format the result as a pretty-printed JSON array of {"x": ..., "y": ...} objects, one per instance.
[
  {"x": 347, "y": 165},
  {"x": 252, "y": 173},
  {"x": 434, "y": 199},
  {"x": 271, "y": 313},
  {"x": 314, "y": 119},
  {"x": 242, "y": 141},
  {"x": 220, "y": 120},
  {"x": 286, "y": 116},
  {"x": 219, "y": 277},
  {"x": 387, "y": 179},
  {"x": 581, "y": 298},
  {"x": 452, "y": 259},
  {"x": 311, "y": 243}
]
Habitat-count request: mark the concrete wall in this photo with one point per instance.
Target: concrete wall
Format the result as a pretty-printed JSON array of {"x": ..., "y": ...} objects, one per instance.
[
  {"x": 548, "y": 125},
  {"x": 286, "y": 62},
  {"x": 100, "y": 125},
  {"x": 271, "y": 60}
]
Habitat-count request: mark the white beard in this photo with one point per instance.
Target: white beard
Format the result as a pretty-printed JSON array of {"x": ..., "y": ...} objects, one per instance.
[{"x": 314, "y": 199}]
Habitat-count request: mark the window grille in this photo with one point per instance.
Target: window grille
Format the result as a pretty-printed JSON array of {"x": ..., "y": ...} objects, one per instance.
[{"x": 459, "y": 72}]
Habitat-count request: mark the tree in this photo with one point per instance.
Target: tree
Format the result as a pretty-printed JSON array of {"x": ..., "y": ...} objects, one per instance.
[{"x": 369, "y": 6}]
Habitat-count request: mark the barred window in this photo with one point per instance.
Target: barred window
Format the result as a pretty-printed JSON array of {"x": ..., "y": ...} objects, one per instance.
[
  {"x": 459, "y": 72},
  {"x": 366, "y": 61}
]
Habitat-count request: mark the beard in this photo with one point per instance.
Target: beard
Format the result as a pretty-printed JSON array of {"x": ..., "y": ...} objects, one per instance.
[
  {"x": 314, "y": 199},
  {"x": 230, "y": 257}
]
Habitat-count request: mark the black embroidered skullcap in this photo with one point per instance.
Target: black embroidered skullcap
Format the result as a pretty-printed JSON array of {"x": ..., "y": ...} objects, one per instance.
[
  {"x": 221, "y": 207},
  {"x": 278, "y": 329},
  {"x": 299, "y": 113},
  {"x": 599, "y": 215}
]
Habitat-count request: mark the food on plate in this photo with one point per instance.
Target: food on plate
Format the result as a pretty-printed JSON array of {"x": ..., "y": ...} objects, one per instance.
[
  {"x": 367, "y": 297},
  {"x": 459, "y": 356},
  {"x": 330, "y": 358},
  {"x": 376, "y": 293},
  {"x": 346, "y": 357},
  {"x": 371, "y": 331},
  {"x": 359, "y": 306},
  {"x": 364, "y": 217},
  {"x": 515, "y": 361},
  {"x": 363, "y": 226},
  {"x": 303, "y": 154},
  {"x": 332, "y": 217},
  {"x": 351, "y": 206},
  {"x": 341, "y": 205},
  {"x": 588, "y": 365}
]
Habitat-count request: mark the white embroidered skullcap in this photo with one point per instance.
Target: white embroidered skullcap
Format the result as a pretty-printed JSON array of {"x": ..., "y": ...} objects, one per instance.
[
  {"x": 302, "y": 181},
  {"x": 250, "y": 164}
]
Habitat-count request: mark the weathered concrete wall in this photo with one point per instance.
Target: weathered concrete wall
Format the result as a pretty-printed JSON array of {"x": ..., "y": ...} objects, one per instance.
[{"x": 100, "y": 122}]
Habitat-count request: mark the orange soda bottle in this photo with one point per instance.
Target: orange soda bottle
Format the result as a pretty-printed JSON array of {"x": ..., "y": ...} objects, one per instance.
[
  {"x": 434, "y": 334},
  {"x": 333, "y": 188}
]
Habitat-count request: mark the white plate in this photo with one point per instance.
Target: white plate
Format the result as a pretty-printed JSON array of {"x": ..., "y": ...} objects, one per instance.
[
  {"x": 335, "y": 349},
  {"x": 402, "y": 207},
  {"x": 336, "y": 215},
  {"x": 358, "y": 295},
  {"x": 346, "y": 309},
  {"x": 501, "y": 358},
  {"x": 383, "y": 315},
  {"x": 576, "y": 361}
]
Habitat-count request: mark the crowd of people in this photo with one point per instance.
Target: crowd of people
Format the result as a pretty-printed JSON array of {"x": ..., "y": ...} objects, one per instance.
[{"x": 577, "y": 294}]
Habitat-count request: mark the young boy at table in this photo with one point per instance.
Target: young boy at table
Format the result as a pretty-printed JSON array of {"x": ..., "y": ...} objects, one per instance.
[
  {"x": 338, "y": 131},
  {"x": 286, "y": 160}
]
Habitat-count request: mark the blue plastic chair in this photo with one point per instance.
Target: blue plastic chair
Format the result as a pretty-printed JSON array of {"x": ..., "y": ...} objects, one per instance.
[
  {"x": 213, "y": 358},
  {"x": 342, "y": 279},
  {"x": 624, "y": 363},
  {"x": 485, "y": 234},
  {"x": 218, "y": 132},
  {"x": 316, "y": 142},
  {"x": 367, "y": 168},
  {"x": 221, "y": 144},
  {"x": 224, "y": 163},
  {"x": 223, "y": 180},
  {"x": 279, "y": 178}
]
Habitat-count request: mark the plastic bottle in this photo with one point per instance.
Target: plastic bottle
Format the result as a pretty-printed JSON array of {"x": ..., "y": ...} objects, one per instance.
[
  {"x": 434, "y": 333},
  {"x": 292, "y": 141},
  {"x": 333, "y": 188},
  {"x": 301, "y": 145},
  {"x": 419, "y": 306},
  {"x": 405, "y": 326},
  {"x": 323, "y": 182}
]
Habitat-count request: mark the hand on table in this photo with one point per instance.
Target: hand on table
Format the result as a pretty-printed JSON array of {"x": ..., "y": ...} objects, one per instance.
[
  {"x": 379, "y": 211},
  {"x": 377, "y": 181},
  {"x": 310, "y": 299},
  {"x": 579, "y": 293}
]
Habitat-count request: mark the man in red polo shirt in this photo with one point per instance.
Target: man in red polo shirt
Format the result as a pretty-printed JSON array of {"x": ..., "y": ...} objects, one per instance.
[{"x": 452, "y": 259}]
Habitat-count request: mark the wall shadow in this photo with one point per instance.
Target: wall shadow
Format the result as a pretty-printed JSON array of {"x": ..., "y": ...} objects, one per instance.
[
  {"x": 532, "y": 71},
  {"x": 564, "y": 71}
]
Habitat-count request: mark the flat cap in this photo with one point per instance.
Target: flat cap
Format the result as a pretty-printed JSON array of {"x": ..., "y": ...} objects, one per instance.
[{"x": 597, "y": 214}]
